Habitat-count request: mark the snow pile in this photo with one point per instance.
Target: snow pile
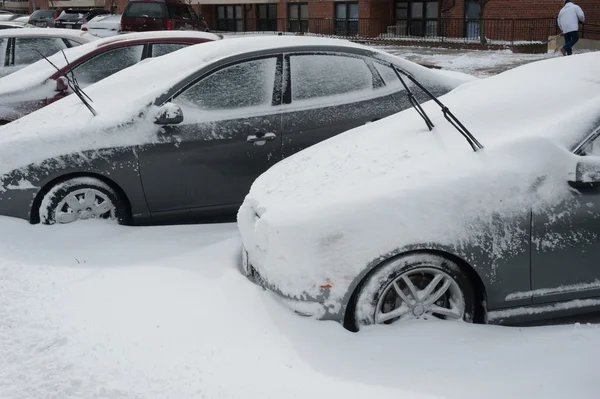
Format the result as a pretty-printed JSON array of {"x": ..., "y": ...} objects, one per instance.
[
  {"x": 330, "y": 211},
  {"x": 127, "y": 96},
  {"x": 162, "y": 312}
]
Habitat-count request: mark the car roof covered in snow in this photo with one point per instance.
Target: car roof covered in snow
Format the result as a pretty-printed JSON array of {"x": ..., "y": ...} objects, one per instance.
[{"x": 76, "y": 35}]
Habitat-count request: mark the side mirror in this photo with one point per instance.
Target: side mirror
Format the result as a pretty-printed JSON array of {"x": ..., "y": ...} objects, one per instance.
[
  {"x": 62, "y": 84},
  {"x": 169, "y": 114},
  {"x": 587, "y": 174}
]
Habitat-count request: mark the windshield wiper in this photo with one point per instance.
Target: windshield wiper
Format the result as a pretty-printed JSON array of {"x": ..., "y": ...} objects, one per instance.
[
  {"x": 475, "y": 145},
  {"x": 72, "y": 82}
]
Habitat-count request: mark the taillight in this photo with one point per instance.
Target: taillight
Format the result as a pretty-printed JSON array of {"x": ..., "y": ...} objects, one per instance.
[
  {"x": 83, "y": 28},
  {"x": 169, "y": 24},
  {"x": 122, "y": 25}
]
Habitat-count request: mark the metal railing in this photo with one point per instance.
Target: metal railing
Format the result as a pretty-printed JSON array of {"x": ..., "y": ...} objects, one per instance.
[
  {"x": 460, "y": 30},
  {"x": 590, "y": 31}
]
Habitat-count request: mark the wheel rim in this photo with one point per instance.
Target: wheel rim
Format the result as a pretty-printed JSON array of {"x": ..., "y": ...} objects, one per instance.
[
  {"x": 422, "y": 293},
  {"x": 85, "y": 204}
]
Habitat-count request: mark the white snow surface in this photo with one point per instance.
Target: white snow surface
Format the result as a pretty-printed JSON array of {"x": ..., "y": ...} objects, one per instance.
[
  {"x": 43, "y": 134},
  {"x": 94, "y": 310},
  {"x": 326, "y": 213}
]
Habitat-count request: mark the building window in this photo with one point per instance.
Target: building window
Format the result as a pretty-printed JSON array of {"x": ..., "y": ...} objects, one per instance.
[
  {"x": 298, "y": 17},
  {"x": 472, "y": 8},
  {"x": 267, "y": 17},
  {"x": 417, "y": 17},
  {"x": 346, "y": 19},
  {"x": 229, "y": 18}
]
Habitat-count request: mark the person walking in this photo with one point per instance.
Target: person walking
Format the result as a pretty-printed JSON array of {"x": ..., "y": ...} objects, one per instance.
[{"x": 568, "y": 22}]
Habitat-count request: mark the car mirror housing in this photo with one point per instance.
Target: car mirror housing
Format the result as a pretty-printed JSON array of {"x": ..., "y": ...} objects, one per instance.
[
  {"x": 169, "y": 114},
  {"x": 587, "y": 174}
]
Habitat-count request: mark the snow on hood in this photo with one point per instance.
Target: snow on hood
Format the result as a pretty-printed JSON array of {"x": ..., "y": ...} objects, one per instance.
[
  {"x": 122, "y": 96},
  {"x": 332, "y": 209}
]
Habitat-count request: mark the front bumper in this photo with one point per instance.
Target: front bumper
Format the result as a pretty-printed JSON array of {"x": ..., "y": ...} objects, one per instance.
[{"x": 308, "y": 307}]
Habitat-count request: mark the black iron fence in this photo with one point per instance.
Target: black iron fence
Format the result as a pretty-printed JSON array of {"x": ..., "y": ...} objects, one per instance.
[{"x": 459, "y": 30}]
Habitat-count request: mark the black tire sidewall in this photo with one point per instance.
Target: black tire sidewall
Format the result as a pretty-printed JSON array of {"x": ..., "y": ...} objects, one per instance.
[
  {"x": 376, "y": 282},
  {"x": 63, "y": 189}
]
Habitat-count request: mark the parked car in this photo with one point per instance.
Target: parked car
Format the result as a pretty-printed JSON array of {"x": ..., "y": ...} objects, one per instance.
[
  {"x": 73, "y": 18},
  {"x": 40, "y": 84},
  {"x": 8, "y": 16},
  {"x": 103, "y": 25},
  {"x": 43, "y": 18},
  {"x": 390, "y": 222},
  {"x": 22, "y": 47},
  {"x": 146, "y": 15},
  {"x": 186, "y": 134}
]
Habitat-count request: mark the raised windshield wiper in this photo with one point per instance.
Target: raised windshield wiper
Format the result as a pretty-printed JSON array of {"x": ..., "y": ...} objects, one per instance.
[
  {"x": 475, "y": 145},
  {"x": 73, "y": 84}
]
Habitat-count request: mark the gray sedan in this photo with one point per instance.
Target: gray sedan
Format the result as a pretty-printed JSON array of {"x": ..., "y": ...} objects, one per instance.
[{"x": 184, "y": 135}]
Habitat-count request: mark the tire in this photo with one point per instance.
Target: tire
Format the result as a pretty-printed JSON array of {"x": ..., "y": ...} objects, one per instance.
[
  {"x": 58, "y": 205},
  {"x": 378, "y": 301}
]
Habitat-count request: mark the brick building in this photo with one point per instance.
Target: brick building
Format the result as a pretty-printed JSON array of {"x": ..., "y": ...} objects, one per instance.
[{"x": 405, "y": 17}]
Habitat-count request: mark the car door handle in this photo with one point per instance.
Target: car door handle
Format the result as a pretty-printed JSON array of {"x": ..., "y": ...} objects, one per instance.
[{"x": 260, "y": 138}]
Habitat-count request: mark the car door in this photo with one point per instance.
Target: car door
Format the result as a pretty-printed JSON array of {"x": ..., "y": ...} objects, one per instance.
[
  {"x": 230, "y": 135},
  {"x": 107, "y": 63},
  {"x": 565, "y": 258},
  {"x": 330, "y": 93}
]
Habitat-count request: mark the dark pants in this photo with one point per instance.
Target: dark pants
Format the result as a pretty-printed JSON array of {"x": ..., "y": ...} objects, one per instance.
[{"x": 570, "y": 39}]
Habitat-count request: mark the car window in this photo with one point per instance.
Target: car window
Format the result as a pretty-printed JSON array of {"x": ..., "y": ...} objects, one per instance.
[
  {"x": 166, "y": 48},
  {"x": 28, "y": 49},
  {"x": 151, "y": 10},
  {"x": 593, "y": 148},
  {"x": 107, "y": 63},
  {"x": 318, "y": 76},
  {"x": 247, "y": 84},
  {"x": 73, "y": 43},
  {"x": 191, "y": 14},
  {"x": 388, "y": 76},
  {"x": 3, "y": 45}
]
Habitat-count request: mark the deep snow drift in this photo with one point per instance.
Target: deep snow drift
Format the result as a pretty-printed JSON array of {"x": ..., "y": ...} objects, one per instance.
[{"x": 93, "y": 310}]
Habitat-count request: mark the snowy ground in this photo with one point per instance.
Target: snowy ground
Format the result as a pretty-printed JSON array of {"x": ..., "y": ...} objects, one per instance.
[
  {"x": 476, "y": 62},
  {"x": 101, "y": 311}
]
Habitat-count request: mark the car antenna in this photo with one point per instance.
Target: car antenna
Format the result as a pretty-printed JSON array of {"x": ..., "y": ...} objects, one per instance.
[
  {"x": 73, "y": 83},
  {"x": 450, "y": 117}
]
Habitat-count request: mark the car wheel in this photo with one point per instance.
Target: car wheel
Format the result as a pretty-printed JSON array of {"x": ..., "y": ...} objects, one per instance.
[
  {"x": 419, "y": 286},
  {"x": 81, "y": 198}
]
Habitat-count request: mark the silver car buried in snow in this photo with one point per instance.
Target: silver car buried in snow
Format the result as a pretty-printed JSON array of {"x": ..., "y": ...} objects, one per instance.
[{"x": 392, "y": 221}]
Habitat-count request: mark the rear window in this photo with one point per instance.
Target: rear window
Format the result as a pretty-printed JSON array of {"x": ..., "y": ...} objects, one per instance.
[
  {"x": 150, "y": 10},
  {"x": 42, "y": 14},
  {"x": 72, "y": 15},
  {"x": 181, "y": 11}
]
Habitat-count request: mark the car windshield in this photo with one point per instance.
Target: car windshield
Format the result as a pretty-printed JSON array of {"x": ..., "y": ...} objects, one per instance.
[
  {"x": 151, "y": 10},
  {"x": 44, "y": 14},
  {"x": 72, "y": 15}
]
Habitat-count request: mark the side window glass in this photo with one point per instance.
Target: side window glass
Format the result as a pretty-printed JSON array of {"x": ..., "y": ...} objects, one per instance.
[
  {"x": 107, "y": 63},
  {"x": 593, "y": 148},
  {"x": 73, "y": 43},
  {"x": 3, "y": 48},
  {"x": 249, "y": 84},
  {"x": 315, "y": 76},
  {"x": 191, "y": 13},
  {"x": 175, "y": 11},
  {"x": 166, "y": 48},
  {"x": 26, "y": 49},
  {"x": 389, "y": 76}
]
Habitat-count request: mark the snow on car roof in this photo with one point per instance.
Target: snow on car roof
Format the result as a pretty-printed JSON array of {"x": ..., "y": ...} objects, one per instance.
[
  {"x": 75, "y": 35},
  {"x": 158, "y": 35}
]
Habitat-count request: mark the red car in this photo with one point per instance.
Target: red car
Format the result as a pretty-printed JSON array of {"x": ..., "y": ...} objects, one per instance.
[
  {"x": 40, "y": 84},
  {"x": 148, "y": 15}
]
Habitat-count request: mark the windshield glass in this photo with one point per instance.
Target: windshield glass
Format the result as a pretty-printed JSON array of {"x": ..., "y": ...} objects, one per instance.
[
  {"x": 43, "y": 14},
  {"x": 151, "y": 10},
  {"x": 71, "y": 15}
]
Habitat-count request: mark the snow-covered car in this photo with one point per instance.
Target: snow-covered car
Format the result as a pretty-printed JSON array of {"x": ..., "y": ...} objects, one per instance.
[
  {"x": 22, "y": 19},
  {"x": 44, "y": 82},
  {"x": 392, "y": 221},
  {"x": 185, "y": 134},
  {"x": 13, "y": 25},
  {"x": 103, "y": 25},
  {"x": 22, "y": 47},
  {"x": 43, "y": 18}
]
